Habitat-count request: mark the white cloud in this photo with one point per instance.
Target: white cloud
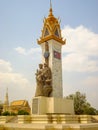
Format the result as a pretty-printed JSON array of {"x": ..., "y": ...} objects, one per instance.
[
  {"x": 5, "y": 66},
  {"x": 13, "y": 79},
  {"x": 17, "y": 82},
  {"x": 91, "y": 81},
  {"x": 81, "y": 46},
  {"x": 78, "y": 62},
  {"x": 21, "y": 50},
  {"x": 8, "y": 76},
  {"x": 90, "y": 84},
  {"x": 30, "y": 51},
  {"x": 35, "y": 50}
]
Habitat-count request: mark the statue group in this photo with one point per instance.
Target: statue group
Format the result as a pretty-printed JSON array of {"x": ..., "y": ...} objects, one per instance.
[{"x": 43, "y": 81}]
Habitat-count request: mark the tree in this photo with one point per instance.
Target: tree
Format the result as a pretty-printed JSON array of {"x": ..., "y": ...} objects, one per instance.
[
  {"x": 23, "y": 112},
  {"x": 97, "y": 112},
  {"x": 90, "y": 111},
  {"x": 1, "y": 107},
  {"x": 81, "y": 105},
  {"x": 6, "y": 113}
]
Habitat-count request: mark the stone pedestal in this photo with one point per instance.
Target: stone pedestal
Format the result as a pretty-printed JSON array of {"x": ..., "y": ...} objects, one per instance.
[{"x": 52, "y": 105}]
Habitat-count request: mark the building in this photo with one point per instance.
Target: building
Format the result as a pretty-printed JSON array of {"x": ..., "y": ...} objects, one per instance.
[{"x": 17, "y": 105}]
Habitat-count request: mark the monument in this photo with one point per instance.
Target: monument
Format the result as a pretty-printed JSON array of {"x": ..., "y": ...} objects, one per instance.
[
  {"x": 49, "y": 108},
  {"x": 49, "y": 91}
]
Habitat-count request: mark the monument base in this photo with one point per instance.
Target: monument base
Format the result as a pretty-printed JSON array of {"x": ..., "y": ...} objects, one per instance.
[{"x": 52, "y": 105}]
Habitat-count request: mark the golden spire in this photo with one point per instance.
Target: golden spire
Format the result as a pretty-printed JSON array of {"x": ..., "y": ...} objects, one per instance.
[
  {"x": 6, "y": 102},
  {"x": 51, "y": 28},
  {"x": 50, "y": 4},
  {"x": 6, "y": 97},
  {"x": 50, "y": 11}
]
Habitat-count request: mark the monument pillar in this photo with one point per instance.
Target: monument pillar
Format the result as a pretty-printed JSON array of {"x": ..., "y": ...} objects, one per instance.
[
  {"x": 51, "y": 43},
  {"x": 55, "y": 64},
  {"x": 49, "y": 90}
]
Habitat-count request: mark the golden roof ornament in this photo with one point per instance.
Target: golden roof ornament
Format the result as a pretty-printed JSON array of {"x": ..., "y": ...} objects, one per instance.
[
  {"x": 50, "y": 11},
  {"x": 51, "y": 28}
]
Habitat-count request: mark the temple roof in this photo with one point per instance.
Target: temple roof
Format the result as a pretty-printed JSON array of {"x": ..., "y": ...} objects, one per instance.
[
  {"x": 51, "y": 29},
  {"x": 19, "y": 103}
]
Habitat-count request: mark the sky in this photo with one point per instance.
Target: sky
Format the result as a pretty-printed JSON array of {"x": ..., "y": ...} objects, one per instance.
[{"x": 21, "y": 22}]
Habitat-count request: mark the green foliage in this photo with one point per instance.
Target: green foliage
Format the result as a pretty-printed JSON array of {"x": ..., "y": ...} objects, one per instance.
[
  {"x": 81, "y": 105},
  {"x": 90, "y": 111},
  {"x": 23, "y": 112},
  {"x": 1, "y": 107},
  {"x": 97, "y": 112},
  {"x": 6, "y": 113}
]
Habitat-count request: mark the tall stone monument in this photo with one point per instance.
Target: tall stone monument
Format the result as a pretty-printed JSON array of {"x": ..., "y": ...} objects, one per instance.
[{"x": 49, "y": 91}]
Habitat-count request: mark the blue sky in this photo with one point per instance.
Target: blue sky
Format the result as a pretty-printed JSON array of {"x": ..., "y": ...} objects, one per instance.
[{"x": 21, "y": 22}]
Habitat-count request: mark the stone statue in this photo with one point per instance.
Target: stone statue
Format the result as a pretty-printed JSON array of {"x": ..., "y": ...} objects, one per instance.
[
  {"x": 39, "y": 81},
  {"x": 47, "y": 80},
  {"x": 43, "y": 79}
]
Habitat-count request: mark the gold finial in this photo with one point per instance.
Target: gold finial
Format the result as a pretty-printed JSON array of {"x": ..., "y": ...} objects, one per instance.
[
  {"x": 50, "y": 11},
  {"x": 50, "y": 4}
]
